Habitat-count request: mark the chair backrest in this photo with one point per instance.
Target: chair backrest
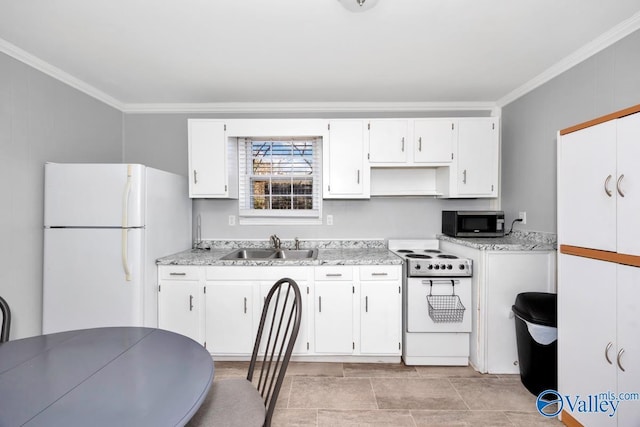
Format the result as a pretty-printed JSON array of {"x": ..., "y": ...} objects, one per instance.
[
  {"x": 6, "y": 321},
  {"x": 277, "y": 333}
]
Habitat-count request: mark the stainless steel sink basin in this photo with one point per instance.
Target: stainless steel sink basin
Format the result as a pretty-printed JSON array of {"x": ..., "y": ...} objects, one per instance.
[{"x": 271, "y": 254}]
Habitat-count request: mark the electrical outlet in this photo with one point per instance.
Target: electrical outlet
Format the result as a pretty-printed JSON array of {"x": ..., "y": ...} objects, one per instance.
[
  {"x": 523, "y": 217},
  {"x": 232, "y": 220},
  {"x": 329, "y": 219}
]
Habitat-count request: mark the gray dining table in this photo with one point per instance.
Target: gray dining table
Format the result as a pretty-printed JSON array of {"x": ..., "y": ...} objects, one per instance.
[{"x": 120, "y": 376}]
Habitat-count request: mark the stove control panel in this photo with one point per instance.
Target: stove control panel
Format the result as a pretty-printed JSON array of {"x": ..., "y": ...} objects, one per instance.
[{"x": 440, "y": 268}]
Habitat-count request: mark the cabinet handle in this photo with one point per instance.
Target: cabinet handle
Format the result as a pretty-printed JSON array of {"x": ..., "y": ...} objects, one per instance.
[
  {"x": 190, "y": 302},
  {"x": 333, "y": 275},
  {"x": 379, "y": 274},
  {"x": 620, "y": 353},
  {"x": 245, "y": 305},
  {"x": 420, "y": 144},
  {"x": 403, "y": 144},
  {"x": 177, "y": 274},
  {"x": 366, "y": 304},
  {"x": 618, "y": 185},
  {"x": 358, "y": 177},
  {"x": 195, "y": 176},
  {"x": 464, "y": 176},
  {"x": 606, "y": 186},
  {"x": 319, "y": 304},
  {"x": 606, "y": 352}
]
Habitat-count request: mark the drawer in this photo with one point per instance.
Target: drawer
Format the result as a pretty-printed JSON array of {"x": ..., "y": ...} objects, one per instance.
[
  {"x": 177, "y": 272},
  {"x": 380, "y": 272},
  {"x": 334, "y": 273}
]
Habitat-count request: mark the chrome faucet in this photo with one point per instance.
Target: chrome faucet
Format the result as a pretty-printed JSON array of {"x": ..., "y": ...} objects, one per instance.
[{"x": 275, "y": 241}]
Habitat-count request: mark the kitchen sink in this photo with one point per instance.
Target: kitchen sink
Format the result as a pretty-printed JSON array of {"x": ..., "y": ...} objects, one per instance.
[{"x": 271, "y": 254}]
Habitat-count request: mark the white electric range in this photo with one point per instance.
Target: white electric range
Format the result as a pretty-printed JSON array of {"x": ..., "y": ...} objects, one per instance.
[{"x": 436, "y": 303}]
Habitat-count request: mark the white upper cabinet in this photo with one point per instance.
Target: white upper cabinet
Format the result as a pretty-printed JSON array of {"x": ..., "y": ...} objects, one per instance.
[
  {"x": 388, "y": 141},
  {"x": 212, "y": 162},
  {"x": 346, "y": 172},
  {"x": 474, "y": 171},
  {"x": 433, "y": 140},
  {"x": 598, "y": 185}
]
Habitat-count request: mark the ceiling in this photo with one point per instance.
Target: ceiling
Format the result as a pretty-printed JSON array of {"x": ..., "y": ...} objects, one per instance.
[{"x": 141, "y": 53}]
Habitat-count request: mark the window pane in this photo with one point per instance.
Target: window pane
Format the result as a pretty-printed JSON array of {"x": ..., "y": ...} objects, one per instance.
[
  {"x": 303, "y": 186},
  {"x": 280, "y": 186},
  {"x": 302, "y": 202},
  {"x": 260, "y": 187},
  {"x": 260, "y": 202},
  {"x": 281, "y": 202},
  {"x": 261, "y": 155}
]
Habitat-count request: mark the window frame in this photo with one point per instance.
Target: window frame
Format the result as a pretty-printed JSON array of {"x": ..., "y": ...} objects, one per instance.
[{"x": 247, "y": 215}]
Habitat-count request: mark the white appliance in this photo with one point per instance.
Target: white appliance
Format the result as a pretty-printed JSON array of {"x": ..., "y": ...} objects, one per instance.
[
  {"x": 437, "y": 304},
  {"x": 104, "y": 227}
]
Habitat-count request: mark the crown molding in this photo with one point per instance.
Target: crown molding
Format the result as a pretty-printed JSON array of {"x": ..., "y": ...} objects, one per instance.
[
  {"x": 48, "y": 69},
  {"x": 308, "y": 107},
  {"x": 607, "y": 39}
]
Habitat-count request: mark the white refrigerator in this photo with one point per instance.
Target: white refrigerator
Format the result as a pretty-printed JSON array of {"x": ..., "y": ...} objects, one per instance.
[{"x": 104, "y": 227}]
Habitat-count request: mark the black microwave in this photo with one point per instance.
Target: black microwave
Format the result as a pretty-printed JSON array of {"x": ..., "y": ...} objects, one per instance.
[{"x": 473, "y": 223}]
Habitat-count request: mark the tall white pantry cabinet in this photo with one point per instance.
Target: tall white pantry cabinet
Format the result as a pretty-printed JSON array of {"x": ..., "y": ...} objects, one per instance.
[{"x": 599, "y": 265}]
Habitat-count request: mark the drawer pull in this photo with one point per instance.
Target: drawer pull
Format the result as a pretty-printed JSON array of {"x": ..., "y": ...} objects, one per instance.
[
  {"x": 379, "y": 274},
  {"x": 333, "y": 275},
  {"x": 366, "y": 304},
  {"x": 177, "y": 274}
]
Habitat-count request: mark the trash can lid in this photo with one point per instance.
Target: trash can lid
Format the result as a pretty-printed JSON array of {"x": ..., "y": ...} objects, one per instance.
[{"x": 537, "y": 307}]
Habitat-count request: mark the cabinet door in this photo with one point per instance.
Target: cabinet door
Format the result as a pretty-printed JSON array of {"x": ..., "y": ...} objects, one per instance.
[
  {"x": 230, "y": 322},
  {"x": 346, "y": 174},
  {"x": 477, "y": 163},
  {"x": 207, "y": 159},
  {"x": 433, "y": 140},
  {"x": 333, "y": 317},
  {"x": 586, "y": 187},
  {"x": 180, "y": 308},
  {"x": 628, "y": 343},
  {"x": 587, "y": 331},
  {"x": 380, "y": 318},
  {"x": 628, "y": 184},
  {"x": 387, "y": 141}
]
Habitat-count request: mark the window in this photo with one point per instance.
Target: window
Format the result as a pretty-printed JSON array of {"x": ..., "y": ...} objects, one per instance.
[{"x": 280, "y": 177}]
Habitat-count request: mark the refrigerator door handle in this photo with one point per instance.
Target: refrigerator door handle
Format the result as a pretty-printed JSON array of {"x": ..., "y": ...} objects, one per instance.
[{"x": 125, "y": 222}]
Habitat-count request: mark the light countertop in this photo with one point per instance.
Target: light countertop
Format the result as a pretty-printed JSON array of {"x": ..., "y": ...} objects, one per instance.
[{"x": 517, "y": 241}]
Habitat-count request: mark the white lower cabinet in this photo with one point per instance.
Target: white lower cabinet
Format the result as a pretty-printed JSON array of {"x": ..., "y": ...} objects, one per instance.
[
  {"x": 181, "y": 302},
  {"x": 333, "y": 310},
  {"x": 347, "y": 311},
  {"x": 598, "y": 323},
  {"x": 230, "y": 320},
  {"x": 380, "y": 310}
]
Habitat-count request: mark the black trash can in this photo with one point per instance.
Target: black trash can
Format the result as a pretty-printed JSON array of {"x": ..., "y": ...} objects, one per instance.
[{"x": 537, "y": 338}]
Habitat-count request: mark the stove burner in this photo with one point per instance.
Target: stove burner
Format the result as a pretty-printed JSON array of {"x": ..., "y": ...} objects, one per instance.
[
  {"x": 447, "y": 256},
  {"x": 419, "y": 256},
  {"x": 433, "y": 251},
  {"x": 405, "y": 251}
]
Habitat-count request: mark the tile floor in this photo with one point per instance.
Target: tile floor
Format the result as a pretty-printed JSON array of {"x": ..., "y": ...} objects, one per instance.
[{"x": 356, "y": 394}]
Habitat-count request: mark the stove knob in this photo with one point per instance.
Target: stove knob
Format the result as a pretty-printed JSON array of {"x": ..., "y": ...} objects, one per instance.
[
  {"x": 449, "y": 267},
  {"x": 461, "y": 267},
  {"x": 443, "y": 266},
  {"x": 437, "y": 267},
  {"x": 418, "y": 267},
  {"x": 430, "y": 267}
]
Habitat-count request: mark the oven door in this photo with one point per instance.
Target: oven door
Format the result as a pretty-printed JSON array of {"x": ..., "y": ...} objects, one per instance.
[{"x": 418, "y": 319}]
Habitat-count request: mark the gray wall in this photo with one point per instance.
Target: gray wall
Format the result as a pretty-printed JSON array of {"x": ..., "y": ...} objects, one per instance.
[
  {"x": 160, "y": 141},
  {"x": 41, "y": 120},
  {"x": 607, "y": 82}
]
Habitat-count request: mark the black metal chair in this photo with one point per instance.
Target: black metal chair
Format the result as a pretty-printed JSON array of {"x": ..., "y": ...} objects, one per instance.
[
  {"x": 6, "y": 321},
  {"x": 251, "y": 401}
]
